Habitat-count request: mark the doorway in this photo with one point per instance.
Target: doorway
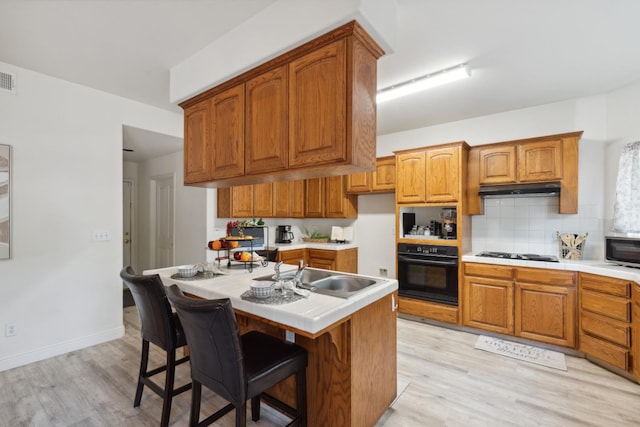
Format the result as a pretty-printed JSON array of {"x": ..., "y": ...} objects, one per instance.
[
  {"x": 128, "y": 226},
  {"x": 163, "y": 206}
]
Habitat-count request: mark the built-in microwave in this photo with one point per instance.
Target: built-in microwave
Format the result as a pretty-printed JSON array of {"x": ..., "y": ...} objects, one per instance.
[{"x": 623, "y": 249}]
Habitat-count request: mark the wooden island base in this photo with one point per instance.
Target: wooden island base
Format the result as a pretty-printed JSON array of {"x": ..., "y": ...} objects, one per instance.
[{"x": 351, "y": 376}]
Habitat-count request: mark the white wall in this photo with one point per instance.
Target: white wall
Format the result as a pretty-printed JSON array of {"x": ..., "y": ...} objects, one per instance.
[
  {"x": 190, "y": 210},
  {"x": 61, "y": 289}
]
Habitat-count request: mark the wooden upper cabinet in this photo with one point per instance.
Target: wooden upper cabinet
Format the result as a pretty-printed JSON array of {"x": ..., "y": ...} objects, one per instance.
[
  {"x": 540, "y": 161},
  {"x": 384, "y": 178},
  {"x": 288, "y": 199},
  {"x": 266, "y": 122},
  {"x": 360, "y": 182},
  {"x": 196, "y": 122},
  {"x": 309, "y": 112},
  {"x": 263, "y": 203},
  {"x": 235, "y": 202},
  {"x": 443, "y": 167},
  {"x": 317, "y": 107},
  {"x": 411, "y": 177},
  {"x": 497, "y": 164},
  {"x": 339, "y": 204},
  {"x": 227, "y": 133},
  {"x": 314, "y": 198}
]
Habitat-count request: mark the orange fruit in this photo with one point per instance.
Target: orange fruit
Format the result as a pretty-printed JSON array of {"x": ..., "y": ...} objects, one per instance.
[
  {"x": 216, "y": 245},
  {"x": 246, "y": 256},
  {"x": 233, "y": 244}
]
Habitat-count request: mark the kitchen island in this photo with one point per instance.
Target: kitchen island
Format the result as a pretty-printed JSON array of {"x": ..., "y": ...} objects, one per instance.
[{"x": 351, "y": 376}]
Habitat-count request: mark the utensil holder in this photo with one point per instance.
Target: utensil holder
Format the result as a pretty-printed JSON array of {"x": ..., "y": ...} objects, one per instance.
[{"x": 568, "y": 248}]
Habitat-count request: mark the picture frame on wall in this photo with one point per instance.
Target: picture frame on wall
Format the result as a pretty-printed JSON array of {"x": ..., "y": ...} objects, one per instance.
[{"x": 5, "y": 201}]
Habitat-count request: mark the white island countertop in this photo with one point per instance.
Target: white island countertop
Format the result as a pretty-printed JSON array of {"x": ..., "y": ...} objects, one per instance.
[{"x": 307, "y": 315}]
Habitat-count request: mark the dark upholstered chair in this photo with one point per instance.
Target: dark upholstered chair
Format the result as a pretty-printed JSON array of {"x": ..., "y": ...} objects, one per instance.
[
  {"x": 236, "y": 367},
  {"x": 160, "y": 326}
]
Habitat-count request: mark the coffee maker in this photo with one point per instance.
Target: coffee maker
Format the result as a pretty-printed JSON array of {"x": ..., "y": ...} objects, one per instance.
[
  {"x": 284, "y": 234},
  {"x": 449, "y": 220}
]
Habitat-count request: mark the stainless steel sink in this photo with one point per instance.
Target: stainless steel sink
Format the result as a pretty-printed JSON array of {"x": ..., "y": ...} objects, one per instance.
[{"x": 328, "y": 282}]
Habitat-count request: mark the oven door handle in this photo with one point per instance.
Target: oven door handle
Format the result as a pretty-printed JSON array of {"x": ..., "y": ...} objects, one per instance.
[{"x": 452, "y": 262}]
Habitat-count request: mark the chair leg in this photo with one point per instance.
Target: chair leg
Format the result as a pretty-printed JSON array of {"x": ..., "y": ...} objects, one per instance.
[
  {"x": 168, "y": 388},
  {"x": 196, "y": 390},
  {"x": 255, "y": 408},
  {"x": 241, "y": 415},
  {"x": 301, "y": 397},
  {"x": 144, "y": 361}
]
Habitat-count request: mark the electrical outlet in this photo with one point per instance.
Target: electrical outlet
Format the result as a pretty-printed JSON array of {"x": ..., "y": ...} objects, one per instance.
[
  {"x": 10, "y": 330},
  {"x": 384, "y": 272},
  {"x": 101, "y": 235},
  {"x": 289, "y": 336}
]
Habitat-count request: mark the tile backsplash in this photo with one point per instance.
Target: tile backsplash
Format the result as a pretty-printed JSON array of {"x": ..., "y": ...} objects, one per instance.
[{"x": 530, "y": 224}]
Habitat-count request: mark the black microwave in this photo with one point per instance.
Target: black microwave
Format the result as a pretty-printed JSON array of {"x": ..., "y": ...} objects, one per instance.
[{"x": 623, "y": 249}]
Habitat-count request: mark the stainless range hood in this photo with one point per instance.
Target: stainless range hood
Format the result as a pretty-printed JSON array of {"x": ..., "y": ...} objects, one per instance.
[{"x": 522, "y": 190}]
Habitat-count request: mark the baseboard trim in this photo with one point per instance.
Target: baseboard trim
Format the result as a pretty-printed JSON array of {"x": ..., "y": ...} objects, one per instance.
[{"x": 14, "y": 361}]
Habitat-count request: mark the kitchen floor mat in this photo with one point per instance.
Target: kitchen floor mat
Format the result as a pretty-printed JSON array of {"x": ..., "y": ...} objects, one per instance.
[{"x": 528, "y": 353}]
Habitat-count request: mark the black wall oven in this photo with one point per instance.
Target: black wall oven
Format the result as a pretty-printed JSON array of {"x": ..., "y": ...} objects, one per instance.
[{"x": 428, "y": 272}]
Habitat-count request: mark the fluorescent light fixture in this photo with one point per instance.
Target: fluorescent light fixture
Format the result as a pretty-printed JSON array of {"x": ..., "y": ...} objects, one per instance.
[{"x": 424, "y": 82}]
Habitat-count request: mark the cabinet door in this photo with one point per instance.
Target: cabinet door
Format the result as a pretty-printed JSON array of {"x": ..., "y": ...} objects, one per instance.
[
  {"x": 384, "y": 177},
  {"x": 488, "y": 304},
  {"x": 443, "y": 174},
  {"x": 317, "y": 110},
  {"x": 196, "y": 136},
  {"x": 263, "y": 200},
  {"x": 411, "y": 181},
  {"x": 546, "y": 313},
  {"x": 359, "y": 183},
  {"x": 636, "y": 331},
  {"x": 227, "y": 133},
  {"x": 288, "y": 199},
  {"x": 497, "y": 164},
  {"x": 292, "y": 256},
  {"x": 266, "y": 128},
  {"x": 319, "y": 258},
  {"x": 339, "y": 204},
  {"x": 540, "y": 161},
  {"x": 242, "y": 201},
  {"x": 314, "y": 198}
]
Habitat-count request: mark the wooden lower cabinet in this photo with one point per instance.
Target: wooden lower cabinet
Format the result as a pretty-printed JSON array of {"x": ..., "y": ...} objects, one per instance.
[
  {"x": 344, "y": 260},
  {"x": 292, "y": 256},
  {"x": 636, "y": 330},
  {"x": 429, "y": 310},
  {"x": 532, "y": 303},
  {"x": 352, "y": 370},
  {"x": 488, "y": 298},
  {"x": 605, "y": 319}
]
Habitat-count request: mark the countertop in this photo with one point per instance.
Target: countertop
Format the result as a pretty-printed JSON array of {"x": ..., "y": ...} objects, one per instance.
[
  {"x": 585, "y": 266},
  {"x": 307, "y": 315},
  {"x": 310, "y": 245}
]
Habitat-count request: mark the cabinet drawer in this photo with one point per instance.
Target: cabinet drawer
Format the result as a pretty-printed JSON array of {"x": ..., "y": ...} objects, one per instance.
[
  {"x": 603, "y": 327},
  {"x": 606, "y": 305},
  {"x": 545, "y": 276},
  {"x": 488, "y": 270},
  {"x": 605, "y": 351},
  {"x": 605, "y": 285}
]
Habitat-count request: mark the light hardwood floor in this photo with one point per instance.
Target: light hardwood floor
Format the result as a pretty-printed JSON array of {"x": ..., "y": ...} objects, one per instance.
[{"x": 450, "y": 384}]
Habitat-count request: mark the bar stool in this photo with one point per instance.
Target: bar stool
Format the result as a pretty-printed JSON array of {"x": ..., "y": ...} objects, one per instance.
[
  {"x": 160, "y": 326},
  {"x": 236, "y": 367}
]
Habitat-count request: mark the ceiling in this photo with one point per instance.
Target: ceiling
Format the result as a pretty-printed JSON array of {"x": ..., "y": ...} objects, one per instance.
[{"x": 521, "y": 53}]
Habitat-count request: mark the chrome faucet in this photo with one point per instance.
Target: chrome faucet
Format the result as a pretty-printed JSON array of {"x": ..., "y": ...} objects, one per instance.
[
  {"x": 277, "y": 269},
  {"x": 298, "y": 276}
]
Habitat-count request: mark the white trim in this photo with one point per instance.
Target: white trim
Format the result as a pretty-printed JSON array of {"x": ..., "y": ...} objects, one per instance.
[{"x": 43, "y": 353}]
